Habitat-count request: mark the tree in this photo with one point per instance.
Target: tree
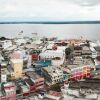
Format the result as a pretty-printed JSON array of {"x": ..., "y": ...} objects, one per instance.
[
  {"x": 55, "y": 87},
  {"x": 67, "y": 51}
]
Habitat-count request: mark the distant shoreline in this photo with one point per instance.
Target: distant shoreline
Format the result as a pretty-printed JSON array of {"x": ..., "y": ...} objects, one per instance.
[{"x": 51, "y": 22}]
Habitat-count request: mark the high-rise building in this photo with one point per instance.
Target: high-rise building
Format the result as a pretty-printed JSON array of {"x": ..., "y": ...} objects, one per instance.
[{"x": 17, "y": 65}]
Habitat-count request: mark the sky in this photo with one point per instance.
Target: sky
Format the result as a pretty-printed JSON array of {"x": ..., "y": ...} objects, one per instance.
[{"x": 49, "y": 10}]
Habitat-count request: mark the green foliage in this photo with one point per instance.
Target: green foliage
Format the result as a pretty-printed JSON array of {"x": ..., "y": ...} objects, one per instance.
[
  {"x": 55, "y": 87},
  {"x": 67, "y": 51}
]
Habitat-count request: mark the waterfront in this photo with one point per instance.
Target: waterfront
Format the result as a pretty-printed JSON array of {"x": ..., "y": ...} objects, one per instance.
[{"x": 62, "y": 31}]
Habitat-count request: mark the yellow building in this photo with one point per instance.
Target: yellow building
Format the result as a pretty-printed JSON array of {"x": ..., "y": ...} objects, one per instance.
[{"x": 17, "y": 65}]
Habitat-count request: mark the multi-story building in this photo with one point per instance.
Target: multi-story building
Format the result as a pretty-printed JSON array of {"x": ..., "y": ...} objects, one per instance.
[
  {"x": 36, "y": 79},
  {"x": 57, "y": 56},
  {"x": 5, "y": 44},
  {"x": 9, "y": 90},
  {"x": 35, "y": 54},
  {"x": 52, "y": 74},
  {"x": 95, "y": 49},
  {"x": 20, "y": 41},
  {"x": 2, "y": 94},
  {"x": 30, "y": 84},
  {"x": 23, "y": 87},
  {"x": 77, "y": 50},
  {"x": 17, "y": 65},
  {"x": 97, "y": 63},
  {"x": 4, "y": 72},
  {"x": 80, "y": 72},
  {"x": 38, "y": 65},
  {"x": 86, "y": 51}
]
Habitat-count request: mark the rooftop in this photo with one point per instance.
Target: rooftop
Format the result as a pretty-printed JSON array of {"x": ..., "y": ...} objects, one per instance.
[
  {"x": 29, "y": 81},
  {"x": 17, "y": 60},
  {"x": 43, "y": 62},
  {"x": 34, "y": 76}
]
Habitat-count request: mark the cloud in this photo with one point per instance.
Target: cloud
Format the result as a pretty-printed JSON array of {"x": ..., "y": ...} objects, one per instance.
[
  {"x": 86, "y": 2},
  {"x": 54, "y": 9}
]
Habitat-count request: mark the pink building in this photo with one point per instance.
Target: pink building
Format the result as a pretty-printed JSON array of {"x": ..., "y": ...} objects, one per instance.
[
  {"x": 80, "y": 73},
  {"x": 15, "y": 55},
  {"x": 10, "y": 91}
]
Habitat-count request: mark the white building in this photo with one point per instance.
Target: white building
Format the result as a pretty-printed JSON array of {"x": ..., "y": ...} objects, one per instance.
[
  {"x": 20, "y": 41},
  {"x": 5, "y": 44},
  {"x": 57, "y": 56},
  {"x": 95, "y": 49},
  {"x": 53, "y": 74},
  {"x": 69, "y": 92}
]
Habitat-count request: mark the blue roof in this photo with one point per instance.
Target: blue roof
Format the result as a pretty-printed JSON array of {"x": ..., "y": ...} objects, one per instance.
[{"x": 44, "y": 62}]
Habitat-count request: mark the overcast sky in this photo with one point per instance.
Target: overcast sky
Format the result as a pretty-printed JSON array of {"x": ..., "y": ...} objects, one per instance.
[{"x": 49, "y": 10}]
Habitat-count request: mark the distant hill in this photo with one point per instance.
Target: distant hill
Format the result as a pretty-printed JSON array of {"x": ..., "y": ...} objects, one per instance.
[{"x": 52, "y": 22}]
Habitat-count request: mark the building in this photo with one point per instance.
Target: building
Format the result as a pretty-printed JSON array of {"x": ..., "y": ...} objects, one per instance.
[
  {"x": 86, "y": 51},
  {"x": 77, "y": 50},
  {"x": 38, "y": 65},
  {"x": 35, "y": 54},
  {"x": 80, "y": 72},
  {"x": 5, "y": 44},
  {"x": 4, "y": 72},
  {"x": 17, "y": 65},
  {"x": 37, "y": 80},
  {"x": 9, "y": 90},
  {"x": 97, "y": 63},
  {"x": 53, "y": 95},
  {"x": 50, "y": 54},
  {"x": 52, "y": 74},
  {"x": 19, "y": 54},
  {"x": 1, "y": 58},
  {"x": 30, "y": 84},
  {"x": 23, "y": 87},
  {"x": 57, "y": 56},
  {"x": 81, "y": 90},
  {"x": 95, "y": 49},
  {"x": 20, "y": 41},
  {"x": 2, "y": 94}
]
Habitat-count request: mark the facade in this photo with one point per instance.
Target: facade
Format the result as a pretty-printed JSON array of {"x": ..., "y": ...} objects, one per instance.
[
  {"x": 17, "y": 65},
  {"x": 19, "y": 54},
  {"x": 2, "y": 95},
  {"x": 23, "y": 87},
  {"x": 37, "y": 80},
  {"x": 52, "y": 74},
  {"x": 97, "y": 63},
  {"x": 50, "y": 54},
  {"x": 5, "y": 44},
  {"x": 40, "y": 64},
  {"x": 77, "y": 50},
  {"x": 20, "y": 41},
  {"x": 35, "y": 54},
  {"x": 57, "y": 56},
  {"x": 80, "y": 73},
  {"x": 86, "y": 51},
  {"x": 10, "y": 90},
  {"x": 3, "y": 72},
  {"x": 95, "y": 49},
  {"x": 30, "y": 84},
  {"x": 53, "y": 95}
]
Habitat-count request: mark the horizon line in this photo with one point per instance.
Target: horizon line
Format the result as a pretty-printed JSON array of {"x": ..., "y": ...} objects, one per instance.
[{"x": 50, "y": 22}]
